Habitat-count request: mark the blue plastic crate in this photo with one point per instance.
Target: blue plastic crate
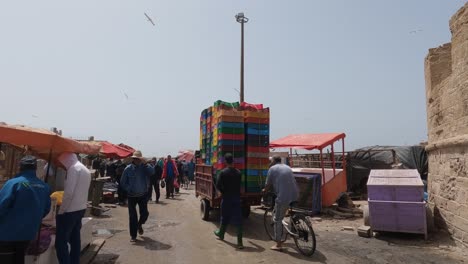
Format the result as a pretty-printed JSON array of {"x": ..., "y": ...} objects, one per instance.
[
  {"x": 230, "y": 125},
  {"x": 252, "y": 131}
]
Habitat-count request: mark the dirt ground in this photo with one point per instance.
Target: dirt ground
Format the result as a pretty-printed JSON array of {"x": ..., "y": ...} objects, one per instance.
[{"x": 175, "y": 233}]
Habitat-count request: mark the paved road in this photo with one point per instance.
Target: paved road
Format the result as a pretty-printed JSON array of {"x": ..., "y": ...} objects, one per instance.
[{"x": 175, "y": 233}]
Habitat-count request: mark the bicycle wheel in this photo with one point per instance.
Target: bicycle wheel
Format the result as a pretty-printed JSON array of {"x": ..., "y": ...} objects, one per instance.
[
  {"x": 305, "y": 241},
  {"x": 270, "y": 225}
]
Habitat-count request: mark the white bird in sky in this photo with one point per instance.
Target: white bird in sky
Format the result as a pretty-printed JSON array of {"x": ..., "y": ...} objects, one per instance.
[
  {"x": 149, "y": 19},
  {"x": 415, "y": 31},
  {"x": 126, "y": 96},
  {"x": 35, "y": 116}
]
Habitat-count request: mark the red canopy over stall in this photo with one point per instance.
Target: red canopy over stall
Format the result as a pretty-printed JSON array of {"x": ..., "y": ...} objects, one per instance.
[
  {"x": 334, "y": 185},
  {"x": 114, "y": 151},
  {"x": 307, "y": 141}
]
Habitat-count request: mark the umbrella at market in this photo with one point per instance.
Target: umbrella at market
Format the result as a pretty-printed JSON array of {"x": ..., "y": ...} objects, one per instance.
[
  {"x": 114, "y": 151},
  {"x": 127, "y": 147},
  {"x": 186, "y": 155},
  {"x": 42, "y": 141}
]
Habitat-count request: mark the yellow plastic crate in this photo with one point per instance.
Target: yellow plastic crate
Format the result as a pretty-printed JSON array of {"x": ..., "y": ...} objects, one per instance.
[
  {"x": 256, "y": 114},
  {"x": 233, "y": 113}
]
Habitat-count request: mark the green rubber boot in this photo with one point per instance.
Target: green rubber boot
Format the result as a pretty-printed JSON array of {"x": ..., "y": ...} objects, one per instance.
[
  {"x": 240, "y": 245},
  {"x": 220, "y": 232}
]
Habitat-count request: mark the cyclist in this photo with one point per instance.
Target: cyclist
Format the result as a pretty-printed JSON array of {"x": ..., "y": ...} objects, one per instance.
[{"x": 281, "y": 181}]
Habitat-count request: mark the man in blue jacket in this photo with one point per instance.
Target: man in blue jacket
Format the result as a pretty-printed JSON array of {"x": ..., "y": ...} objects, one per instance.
[
  {"x": 135, "y": 181},
  {"x": 24, "y": 201}
]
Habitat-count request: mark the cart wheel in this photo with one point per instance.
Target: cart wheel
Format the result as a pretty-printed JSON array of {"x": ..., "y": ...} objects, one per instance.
[
  {"x": 246, "y": 211},
  {"x": 205, "y": 209},
  {"x": 365, "y": 210}
]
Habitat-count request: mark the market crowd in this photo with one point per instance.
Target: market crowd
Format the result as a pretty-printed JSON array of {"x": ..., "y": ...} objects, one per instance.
[
  {"x": 25, "y": 200},
  {"x": 26, "y": 207}
]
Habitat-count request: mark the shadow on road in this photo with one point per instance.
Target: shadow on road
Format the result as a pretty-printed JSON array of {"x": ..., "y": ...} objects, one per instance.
[
  {"x": 253, "y": 226},
  {"x": 254, "y": 249},
  {"x": 105, "y": 259},
  {"x": 152, "y": 244},
  {"x": 415, "y": 240},
  {"x": 160, "y": 203},
  {"x": 103, "y": 216},
  {"x": 290, "y": 249}
]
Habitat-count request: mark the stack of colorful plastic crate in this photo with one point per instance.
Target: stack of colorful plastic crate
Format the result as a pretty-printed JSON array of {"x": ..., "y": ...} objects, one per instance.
[
  {"x": 206, "y": 135},
  {"x": 203, "y": 116},
  {"x": 229, "y": 134},
  {"x": 257, "y": 141}
]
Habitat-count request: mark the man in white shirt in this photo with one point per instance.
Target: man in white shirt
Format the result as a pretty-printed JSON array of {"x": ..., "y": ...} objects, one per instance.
[
  {"x": 281, "y": 181},
  {"x": 72, "y": 210}
]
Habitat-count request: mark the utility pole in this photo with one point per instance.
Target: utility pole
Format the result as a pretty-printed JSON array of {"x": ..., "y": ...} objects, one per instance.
[{"x": 242, "y": 20}]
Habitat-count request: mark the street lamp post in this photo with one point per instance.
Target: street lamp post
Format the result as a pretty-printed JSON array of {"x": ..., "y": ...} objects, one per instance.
[{"x": 242, "y": 20}]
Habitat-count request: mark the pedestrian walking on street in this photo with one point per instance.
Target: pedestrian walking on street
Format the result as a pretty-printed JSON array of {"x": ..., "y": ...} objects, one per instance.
[
  {"x": 102, "y": 168},
  {"x": 191, "y": 171},
  {"x": 155, "y": 180},
  {"x": 121, "y": 193},
  {"x": 24, "y": 201},
  {"x": 229, "y": 184},
  {"x": 96, "y": 164},
  {"x": 135, "y": 181},
  {"x": 170, "y": 174},
  {"x": 110, "y": 168},
  {"x": 281, "y": 181},
  {"x": 180, "y": 176},
  {"x": 72, "y": 210}
]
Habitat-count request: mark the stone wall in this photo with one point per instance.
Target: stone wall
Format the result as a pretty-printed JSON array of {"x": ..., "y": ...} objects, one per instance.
[{"x": 446, "y": 73}]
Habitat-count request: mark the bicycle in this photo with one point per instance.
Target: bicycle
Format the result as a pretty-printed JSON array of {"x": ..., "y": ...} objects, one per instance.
[{"x": 298, "y": 226}]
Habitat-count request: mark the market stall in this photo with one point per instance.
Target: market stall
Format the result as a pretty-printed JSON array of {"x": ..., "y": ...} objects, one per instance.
[
  {"x": 333, "y": 176},
  {"x": 16, "y": 141}
]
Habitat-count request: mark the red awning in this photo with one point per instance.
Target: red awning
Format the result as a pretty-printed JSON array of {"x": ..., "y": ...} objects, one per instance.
[
  {"x": 307, "y": 141},
  {"x": 114, "y": 151}
]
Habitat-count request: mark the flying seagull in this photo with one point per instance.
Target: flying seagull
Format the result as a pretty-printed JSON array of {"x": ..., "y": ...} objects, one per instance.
[
  {"x": 35, "y": 116},
  {"x": 415, "y": 31},
  {"x": 126, "y": 95},
  {"x": 150, "y": 20}
]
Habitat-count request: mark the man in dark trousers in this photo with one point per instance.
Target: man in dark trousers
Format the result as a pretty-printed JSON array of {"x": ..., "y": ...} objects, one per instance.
[
  {"x": 72, "y": 210},
  {"x": 229, "y": 184},
  {"x": 24, "y": 201},
  {"x": 154, "y": 181},
  {"x": 135, "y": 181},
  {"x": 121, "y": 193},
  {"x": 110, "y": 168},
  {"x": 180, "y": 169},
  {"x": 170, "y": 174}
]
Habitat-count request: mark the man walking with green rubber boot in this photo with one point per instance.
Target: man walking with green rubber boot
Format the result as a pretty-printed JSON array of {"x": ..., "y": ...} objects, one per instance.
[{"x": 229, "y": 184}]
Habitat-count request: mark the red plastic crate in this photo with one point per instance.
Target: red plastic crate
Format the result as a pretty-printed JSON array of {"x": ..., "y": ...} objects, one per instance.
[
  {"x": 231, "y": 136},
  {"x": 257, "y": 120},
  {"x": 221, "y": 166},
  {"x": 258, "y": 149},
  {"x": 258, "y": 161}
]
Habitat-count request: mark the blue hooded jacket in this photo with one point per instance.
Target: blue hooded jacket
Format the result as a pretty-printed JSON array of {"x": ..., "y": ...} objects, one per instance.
[{"x": 24, "y": 201}]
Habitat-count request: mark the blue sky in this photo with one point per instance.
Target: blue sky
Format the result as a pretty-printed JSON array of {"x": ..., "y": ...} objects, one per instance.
[{"x": 321, "y": 66}]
